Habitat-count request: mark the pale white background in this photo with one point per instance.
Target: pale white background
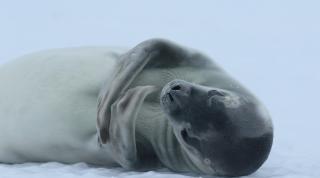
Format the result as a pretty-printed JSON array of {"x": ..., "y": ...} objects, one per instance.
[{"x": 271, "y": 46}]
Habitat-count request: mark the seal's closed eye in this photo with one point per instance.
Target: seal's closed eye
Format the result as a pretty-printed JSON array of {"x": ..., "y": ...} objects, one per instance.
[
  {"x": 190, "y": 138},
  {"x": 184, "y": 133}
]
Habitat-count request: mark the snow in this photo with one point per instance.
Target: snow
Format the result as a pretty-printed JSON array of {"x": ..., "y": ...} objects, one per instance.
[{"x": 272, "y": 47}]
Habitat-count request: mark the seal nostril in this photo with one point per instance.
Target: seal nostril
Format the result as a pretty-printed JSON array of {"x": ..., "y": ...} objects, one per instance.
[{"x": 177, "y": 87}]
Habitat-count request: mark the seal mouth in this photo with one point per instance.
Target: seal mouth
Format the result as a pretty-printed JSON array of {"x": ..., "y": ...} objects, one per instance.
[
  {"x": 170, "y": 97},
  {"x": 168, "y": 103},
  {"x": 165, "y": 97}
]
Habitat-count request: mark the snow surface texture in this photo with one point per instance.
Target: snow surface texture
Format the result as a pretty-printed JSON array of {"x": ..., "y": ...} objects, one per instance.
[{"x": 272, "y": 47}]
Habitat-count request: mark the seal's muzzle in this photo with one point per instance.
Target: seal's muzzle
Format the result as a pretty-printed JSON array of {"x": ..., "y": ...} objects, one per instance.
[{"x": 175, "y": 95}]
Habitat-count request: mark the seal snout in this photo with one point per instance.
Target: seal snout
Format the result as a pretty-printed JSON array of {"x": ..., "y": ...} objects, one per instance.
[{"x": 176, "y": 93}]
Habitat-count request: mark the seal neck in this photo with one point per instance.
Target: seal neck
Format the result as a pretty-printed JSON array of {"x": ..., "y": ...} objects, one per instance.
[{"x": 156, "y": 130}]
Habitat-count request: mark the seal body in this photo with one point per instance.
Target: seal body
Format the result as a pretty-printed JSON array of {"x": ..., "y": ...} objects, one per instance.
[
  {"x": 156, "y": 105},
  {"x": 48, "y": 104}
]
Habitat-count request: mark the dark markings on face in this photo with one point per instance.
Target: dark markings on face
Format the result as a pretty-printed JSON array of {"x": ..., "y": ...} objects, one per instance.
[{"x": 212, "y": 126}]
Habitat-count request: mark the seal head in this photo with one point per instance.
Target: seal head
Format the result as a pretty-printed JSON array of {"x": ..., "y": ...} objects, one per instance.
[{"x": 223, "y": 132}]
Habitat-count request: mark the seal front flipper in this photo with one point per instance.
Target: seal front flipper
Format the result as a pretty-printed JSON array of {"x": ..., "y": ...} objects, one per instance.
[
  {"x": 154, "y": 53},
  {"x": 122, "y": 127}
]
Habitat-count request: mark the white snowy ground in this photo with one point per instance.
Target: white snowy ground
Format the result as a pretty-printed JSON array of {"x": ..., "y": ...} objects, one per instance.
[{"x": 272, "y": 47}]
